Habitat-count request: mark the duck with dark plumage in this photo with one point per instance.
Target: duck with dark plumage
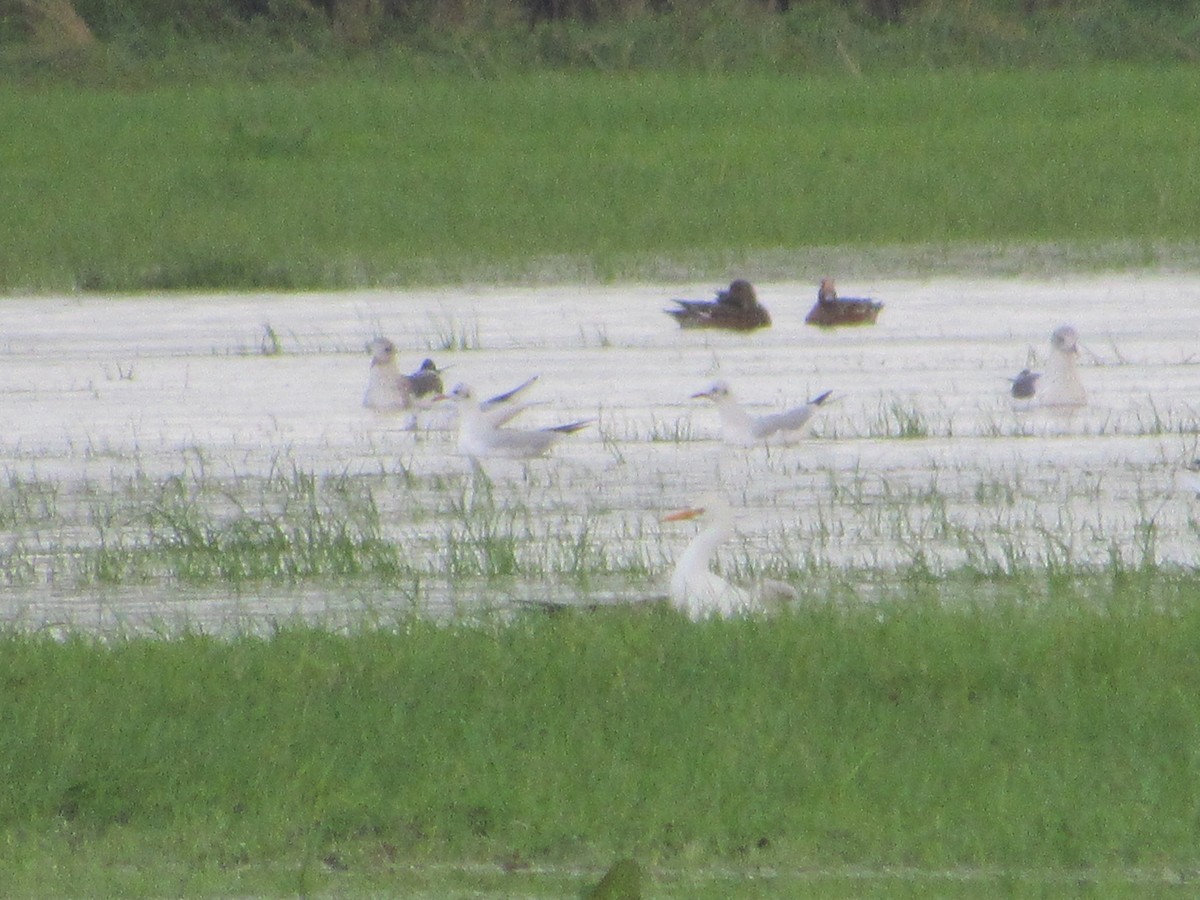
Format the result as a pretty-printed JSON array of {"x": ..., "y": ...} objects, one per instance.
[
  {"x": 831, "y": 311},
  {"x": 735, "y": 309}
]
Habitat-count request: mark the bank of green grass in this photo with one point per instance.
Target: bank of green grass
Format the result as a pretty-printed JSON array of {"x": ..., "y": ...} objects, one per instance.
[
  {"x": 379, "y": 175},
  {"x": 1027, "y": 731}
]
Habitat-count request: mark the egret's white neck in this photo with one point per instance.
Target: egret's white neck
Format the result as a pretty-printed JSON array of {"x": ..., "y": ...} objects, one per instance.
[{"x": 696, "y": 557}]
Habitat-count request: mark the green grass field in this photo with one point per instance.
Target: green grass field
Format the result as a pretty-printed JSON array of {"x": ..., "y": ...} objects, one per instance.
[
  {"x": 1011, "y": 739},
  {"x": 370, "y": 176}
]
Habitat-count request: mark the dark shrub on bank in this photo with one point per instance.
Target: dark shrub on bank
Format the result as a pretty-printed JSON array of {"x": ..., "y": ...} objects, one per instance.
[
  {"x": 489, "y": 36},
  {"x": 367, "y": 19}
]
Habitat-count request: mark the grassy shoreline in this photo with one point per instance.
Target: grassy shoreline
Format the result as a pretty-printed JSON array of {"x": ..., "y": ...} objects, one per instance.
[
  {"x": 1055, "y": 736},
  {"x": 340, "y": 182}
]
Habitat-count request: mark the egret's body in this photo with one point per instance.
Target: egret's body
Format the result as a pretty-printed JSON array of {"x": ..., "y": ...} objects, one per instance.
[
  {"x": 740, "y": 428},
  {"x": 695, "y": 589}
]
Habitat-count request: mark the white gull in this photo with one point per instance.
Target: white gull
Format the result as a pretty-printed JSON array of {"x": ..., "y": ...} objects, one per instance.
[
  {"x": 481, "y": 435},
  {"x": 742, "y": 429}
]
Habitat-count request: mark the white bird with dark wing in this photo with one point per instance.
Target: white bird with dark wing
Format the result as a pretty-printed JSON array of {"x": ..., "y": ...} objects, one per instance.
[
  {"x": 1059, "y": 386},
  {"x": 481, "y": 433},
  {"x": 388, "y": 389},
  {"x": 700, "y": 592},
  {"x": 740, "y": 428}
]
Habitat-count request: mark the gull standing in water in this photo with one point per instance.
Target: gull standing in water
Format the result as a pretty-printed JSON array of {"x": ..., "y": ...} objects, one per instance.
[
  {"x": 1059, "y": 386},
  {"x": 699, "y": 592},
  {"x": 389, "y": 390},
  {"x": 480, "y": 431},
  {"x": 744, "y": 430}
]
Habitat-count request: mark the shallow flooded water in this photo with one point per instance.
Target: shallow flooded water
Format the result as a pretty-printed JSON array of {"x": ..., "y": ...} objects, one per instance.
[{"x": 920, "y": 455}]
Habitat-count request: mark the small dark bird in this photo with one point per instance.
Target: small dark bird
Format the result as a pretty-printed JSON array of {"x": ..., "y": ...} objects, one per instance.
[
  {"x": 735, "y": 309},
  {"x": 830, "y": 311},
  {"x": 426, "y": 380},
  {"x": 1025, "y": 384}
]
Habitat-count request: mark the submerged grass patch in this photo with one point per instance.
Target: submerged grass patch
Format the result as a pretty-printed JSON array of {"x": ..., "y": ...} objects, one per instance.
[
  {"x": 289, "y": 528},
  {"x": 1045, "y": 724},
  {"x": 295, "y": 527},
  {"x": 462, "y": 535}
]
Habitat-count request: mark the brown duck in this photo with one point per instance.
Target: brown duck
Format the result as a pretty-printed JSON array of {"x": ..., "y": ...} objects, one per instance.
[
  {"x": 830, "y": 310},
  {"x": 736, "y": 309}
]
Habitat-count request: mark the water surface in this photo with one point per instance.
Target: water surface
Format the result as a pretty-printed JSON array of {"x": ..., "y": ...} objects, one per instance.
[{"x": 920, "y": 454}]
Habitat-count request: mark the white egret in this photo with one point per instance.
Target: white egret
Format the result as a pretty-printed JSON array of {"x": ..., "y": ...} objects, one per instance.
[{"x": 700, "y": 592}]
